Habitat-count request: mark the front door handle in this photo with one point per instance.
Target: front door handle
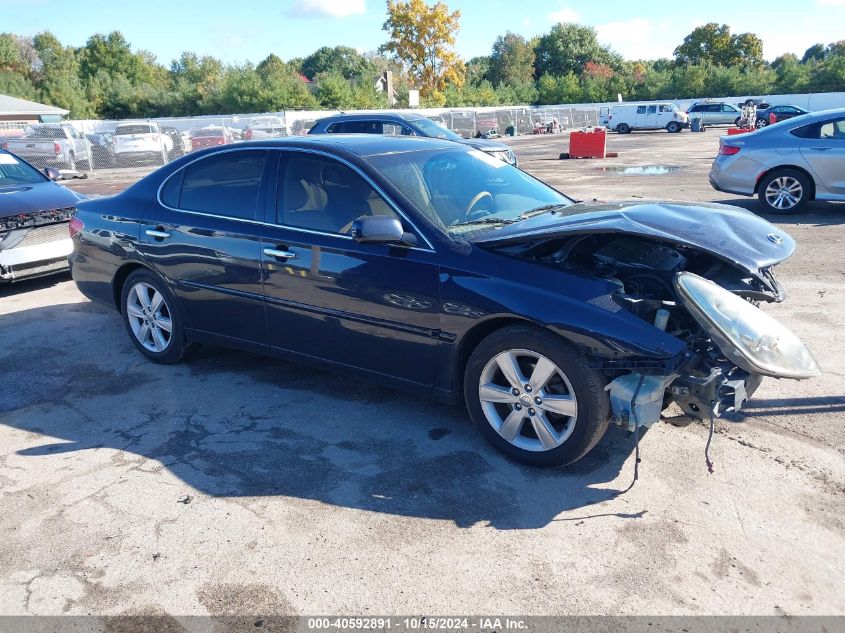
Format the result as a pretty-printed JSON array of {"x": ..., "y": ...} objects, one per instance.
[
  {"x": 159, "y": 235},
  {"x": 272, "y": 252}
]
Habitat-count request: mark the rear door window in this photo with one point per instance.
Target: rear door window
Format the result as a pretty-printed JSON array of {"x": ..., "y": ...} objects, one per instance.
[{"x": 224, "y": 184}]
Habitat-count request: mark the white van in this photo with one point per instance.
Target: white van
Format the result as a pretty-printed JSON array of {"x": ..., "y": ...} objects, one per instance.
[{"x": 646, "y": 116}]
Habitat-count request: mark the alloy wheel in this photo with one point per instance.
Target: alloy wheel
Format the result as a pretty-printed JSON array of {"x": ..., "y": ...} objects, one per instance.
[
  {"x": 528, "y": 400},
  {"x": 149, "y": 317},
  {"x": 784, "y": 192}
]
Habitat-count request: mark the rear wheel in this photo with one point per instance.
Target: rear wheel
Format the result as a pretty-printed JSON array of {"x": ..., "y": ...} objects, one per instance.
[
  {"x": 151, "y": 318},
  {"x": 534, "y": 397},
  {"x": 784, "y": 191},
  {"x": 673, "y": 127},
  {"x": 736, "y": 121},
  {"x": 623, "y": 128}
]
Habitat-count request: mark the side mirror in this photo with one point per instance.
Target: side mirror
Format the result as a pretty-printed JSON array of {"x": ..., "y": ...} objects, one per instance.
[
  {"x": 381, "y": 229},
  {"x": 52, "y": 174}
]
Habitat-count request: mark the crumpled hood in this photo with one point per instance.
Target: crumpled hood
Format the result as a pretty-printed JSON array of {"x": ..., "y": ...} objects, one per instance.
[
  {"x": 22, "y": 199},
  {"x": 485, "y": 145},
  {"x": 730, "y": 233}
]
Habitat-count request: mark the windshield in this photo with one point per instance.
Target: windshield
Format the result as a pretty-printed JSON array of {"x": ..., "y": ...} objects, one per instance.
[
  {"x": 435, "y": 131},
  {"x": 461, "y": 190},
  {"x": 17, "y": 172}
]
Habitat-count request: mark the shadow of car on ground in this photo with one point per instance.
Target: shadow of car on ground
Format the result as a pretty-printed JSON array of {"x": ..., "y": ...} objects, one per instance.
[{"x": 229, "y": 423}]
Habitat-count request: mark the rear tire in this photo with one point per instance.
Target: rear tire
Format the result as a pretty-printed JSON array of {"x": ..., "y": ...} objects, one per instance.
[
  {"x": 784, "y": 191},
  {"x": 148, "y": 309},
  {"x": 554, "y": 423},
  {"x": 623, "y": 128},
  {"x": 674, "y": 127}
]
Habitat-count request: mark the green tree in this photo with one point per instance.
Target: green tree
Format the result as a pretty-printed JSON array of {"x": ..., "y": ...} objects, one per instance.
[
  {"x": 814, "y": 53},
  {"x": 714, "y": 44},
  {"x": 340, "y": 60},
  {"x": 58, "y": 76},
  {"x": 790, "y": 74},
  {"x": 567, "y": 48},
  {"x": 512, "y": 61},
  {"x": 477, "y": 70},
  {"x": 334, "y": 91},
  {"x": 197, "y": 83}
]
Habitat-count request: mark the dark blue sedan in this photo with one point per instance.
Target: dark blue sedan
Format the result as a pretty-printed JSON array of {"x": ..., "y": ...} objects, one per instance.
[{"x": 436, "y": 268}]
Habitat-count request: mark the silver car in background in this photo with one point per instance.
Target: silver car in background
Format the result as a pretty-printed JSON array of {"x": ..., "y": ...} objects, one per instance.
[{"x": 787, "y": 163}]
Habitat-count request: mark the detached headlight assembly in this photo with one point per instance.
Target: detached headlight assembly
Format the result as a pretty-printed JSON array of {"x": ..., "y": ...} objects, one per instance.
[{"x": 748, "y": 336}]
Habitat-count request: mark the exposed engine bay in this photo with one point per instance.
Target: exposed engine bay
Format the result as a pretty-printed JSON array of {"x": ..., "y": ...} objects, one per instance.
[{"x": 712, "y": 377}]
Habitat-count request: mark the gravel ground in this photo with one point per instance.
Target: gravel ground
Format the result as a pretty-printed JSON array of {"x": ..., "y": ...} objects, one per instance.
[{"x": 237, "y": 484}]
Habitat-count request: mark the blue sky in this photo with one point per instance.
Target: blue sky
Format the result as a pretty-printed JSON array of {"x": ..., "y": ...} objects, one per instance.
[{"x": 248, "y": 30}]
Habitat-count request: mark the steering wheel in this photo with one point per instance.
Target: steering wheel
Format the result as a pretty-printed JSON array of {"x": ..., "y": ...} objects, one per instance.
[{"x": 475, "y": 200}]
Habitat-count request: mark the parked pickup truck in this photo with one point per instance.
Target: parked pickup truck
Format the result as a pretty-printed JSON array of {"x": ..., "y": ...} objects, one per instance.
[
  {"x": 141, "y": 141},
  {"x": 52, "y": 145}
]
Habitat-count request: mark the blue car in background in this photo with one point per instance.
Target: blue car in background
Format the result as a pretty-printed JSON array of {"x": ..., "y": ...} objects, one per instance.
[
  {"x": 433, "y": 267},
  {"x": 34, "y": 217}
]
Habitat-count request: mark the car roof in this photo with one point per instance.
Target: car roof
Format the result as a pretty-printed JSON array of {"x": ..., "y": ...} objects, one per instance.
[
  {"x": 386, "y": 116},
  {"x": 361, "y": 144}
]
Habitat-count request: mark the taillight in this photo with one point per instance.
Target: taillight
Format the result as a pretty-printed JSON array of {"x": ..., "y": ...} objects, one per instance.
[
  {"x": 57, "y": 149},
  {"x": 248, "y": 135},
  {"x": 727, "y": 150},
  {"x": 75, "y": 226}
]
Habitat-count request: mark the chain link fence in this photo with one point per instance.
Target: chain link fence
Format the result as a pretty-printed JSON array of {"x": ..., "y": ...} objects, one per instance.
[{"x": 94, "y": 147}]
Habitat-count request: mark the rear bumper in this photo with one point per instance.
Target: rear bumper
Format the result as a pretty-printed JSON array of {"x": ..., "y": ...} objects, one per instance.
[
  {"x": 36, "y": 260},
  {"x": 735, "y": 174}
]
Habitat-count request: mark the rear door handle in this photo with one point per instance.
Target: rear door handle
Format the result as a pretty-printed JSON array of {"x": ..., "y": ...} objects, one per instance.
[
  {"x": 159, "y": 235},
  {"x": 272, "y": 252}
]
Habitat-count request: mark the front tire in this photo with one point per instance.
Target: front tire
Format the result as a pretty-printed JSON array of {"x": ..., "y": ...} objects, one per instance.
[
  {"x": 673, "y": 127},
  {"x": 534, "y": 397},
  {"x": 783, "y": 191},
  {"x": 152, "y": 318}
]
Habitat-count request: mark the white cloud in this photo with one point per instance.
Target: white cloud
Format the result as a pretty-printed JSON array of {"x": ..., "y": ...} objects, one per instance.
[
  {"x": 639, "y": 38},
  {"x": 328, "y": 8},
  {"x": 564, "y": 14}
]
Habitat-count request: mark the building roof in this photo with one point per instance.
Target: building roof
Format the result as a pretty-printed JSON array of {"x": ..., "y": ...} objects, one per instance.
[{"x": 13, "y": 105}]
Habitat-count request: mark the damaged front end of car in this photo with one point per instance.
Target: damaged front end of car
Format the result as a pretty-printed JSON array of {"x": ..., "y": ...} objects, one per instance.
[{"x": 697, "y": 273}]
